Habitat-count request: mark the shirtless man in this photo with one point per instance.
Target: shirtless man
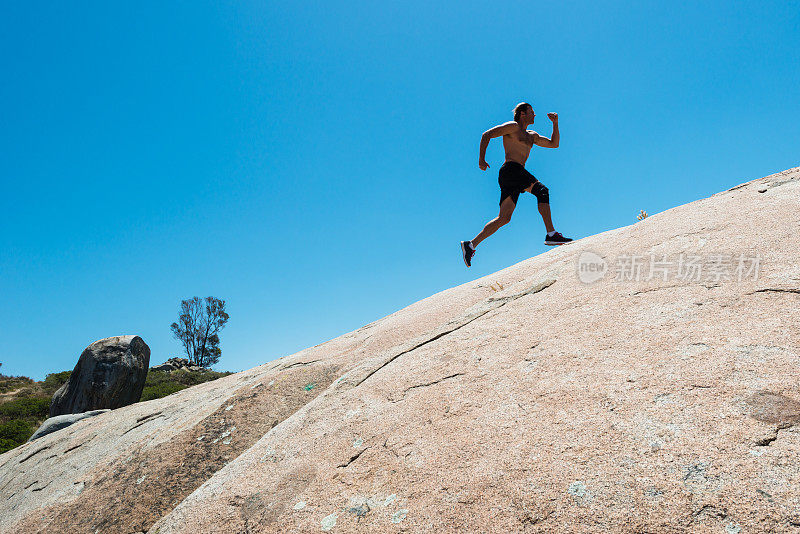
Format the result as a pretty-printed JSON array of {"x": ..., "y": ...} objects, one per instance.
[{"x": 514, "y": 179}]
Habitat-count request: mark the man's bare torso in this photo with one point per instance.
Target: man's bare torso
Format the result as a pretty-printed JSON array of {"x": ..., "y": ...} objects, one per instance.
[{"x": 518, "y": 144}]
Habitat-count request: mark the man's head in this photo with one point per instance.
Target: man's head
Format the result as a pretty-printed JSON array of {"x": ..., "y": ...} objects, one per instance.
[{"x": 523, "y": 112}]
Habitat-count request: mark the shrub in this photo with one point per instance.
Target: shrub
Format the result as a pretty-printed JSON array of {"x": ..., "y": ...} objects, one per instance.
[
  {"x": 13, "y": 434},
  {"x": 7, "y": 445},
  {"x": 38, "y": 407},
  {"x": 10, "y": 383},
  {"x": 157, "y": 377},
  {"x": 181, "y": 376},
  {"x": 15, "y": 430},
  {"x": 53, "y": 381},
  {"x": 162, "y": 389},
  {"x": 162, "y": 383}
]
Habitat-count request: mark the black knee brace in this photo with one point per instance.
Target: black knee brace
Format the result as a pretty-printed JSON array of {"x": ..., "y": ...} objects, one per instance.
[{"x": 541, "y": 192}]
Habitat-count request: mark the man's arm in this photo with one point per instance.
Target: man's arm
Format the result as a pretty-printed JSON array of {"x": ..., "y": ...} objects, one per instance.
[
  {"x": 497, "y": 131},
  {"x": 544, "y": 141}
]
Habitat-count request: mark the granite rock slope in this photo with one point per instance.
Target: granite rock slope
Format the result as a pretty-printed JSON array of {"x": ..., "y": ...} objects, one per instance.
[
  {"x": 662, "y": 397},
  {"x": 121, "y": 471},
  {"x": 660, "y": 405}
]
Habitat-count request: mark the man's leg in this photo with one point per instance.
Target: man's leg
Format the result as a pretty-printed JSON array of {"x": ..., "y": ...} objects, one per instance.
[
  {"x": 543, "y": 196},
  {"x": 544, "y": 211},
  {"x": 506, "y": 209}
]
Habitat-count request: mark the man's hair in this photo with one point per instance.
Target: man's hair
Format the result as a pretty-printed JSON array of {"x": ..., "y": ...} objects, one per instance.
[{"x": 519, "y": 108}]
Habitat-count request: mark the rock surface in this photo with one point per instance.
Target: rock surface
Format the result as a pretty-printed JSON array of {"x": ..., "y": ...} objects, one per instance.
[
  {"x": 62, "y": 421},
  {"x": 525, "y": 401},
  {"x": 176, "y": 364},
  {"x": 110, "y": 373}
]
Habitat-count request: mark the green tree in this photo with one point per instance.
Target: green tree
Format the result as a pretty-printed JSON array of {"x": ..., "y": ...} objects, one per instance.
[{"x": 198, "y": 329}]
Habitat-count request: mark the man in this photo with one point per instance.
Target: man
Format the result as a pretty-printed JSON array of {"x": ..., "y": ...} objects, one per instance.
[{"x": 514, "y": 179}]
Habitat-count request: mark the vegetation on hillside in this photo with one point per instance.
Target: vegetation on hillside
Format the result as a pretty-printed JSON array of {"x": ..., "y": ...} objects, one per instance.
[
  {"x": 25, "y": 403},
  {"x": 162, "y": 383}
]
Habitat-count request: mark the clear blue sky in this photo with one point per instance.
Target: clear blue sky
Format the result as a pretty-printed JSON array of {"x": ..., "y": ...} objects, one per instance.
[{"x": 315, "y": 164}]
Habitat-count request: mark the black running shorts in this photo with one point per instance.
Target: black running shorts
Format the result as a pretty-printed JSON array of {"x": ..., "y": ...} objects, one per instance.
[{"x": 514, "y": 179}]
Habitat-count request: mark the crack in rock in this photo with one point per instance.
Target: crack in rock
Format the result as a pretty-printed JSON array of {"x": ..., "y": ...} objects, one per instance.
[
  {"x": 145, "y": 420},
  {"x": 734, "y": 188},
  {"x": 709, "y": 511},
  {"x": 429, "y": 383},
  {"x": 776, "y": 290},
  {"x": 471, "y": 314},
  {"x": 34, "y": 453},
  {"x": 146, "y": 417},
  {"x": 767, "y": 441},
  {"x": 650, "y": 290},
  {"x": 43, "y": 487},
  {"x": 76, "y": 446},
  {"x": 535, "y": 288},
  {"x": 298, "y": 364},
  {"x": 434, "y": 338},
  {"x": 353, "y": 458}
]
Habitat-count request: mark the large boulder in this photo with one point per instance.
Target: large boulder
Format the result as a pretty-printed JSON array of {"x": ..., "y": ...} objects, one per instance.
[
  {"x": 109, "y": 374},
  {"x": 62, "y": 421}
]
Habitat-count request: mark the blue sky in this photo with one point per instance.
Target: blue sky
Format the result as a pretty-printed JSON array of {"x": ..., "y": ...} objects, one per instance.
[{"x": 315, "y": 164}]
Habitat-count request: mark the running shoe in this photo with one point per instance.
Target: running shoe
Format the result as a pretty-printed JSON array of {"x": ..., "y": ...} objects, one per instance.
[
  {"x": 467, "y": 252},
  {"x": 556, "y": 239}
]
